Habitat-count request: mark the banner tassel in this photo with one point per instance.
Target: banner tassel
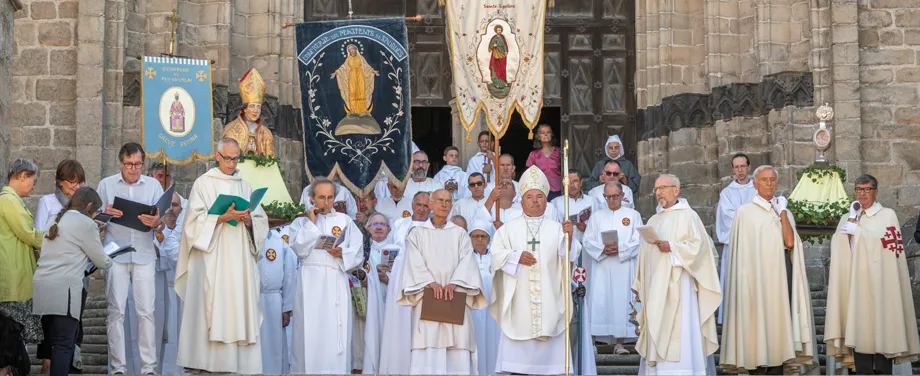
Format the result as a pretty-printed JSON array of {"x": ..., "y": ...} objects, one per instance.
[
  {"x": 530, "y": 134},
  {"x": 550, "y": 4},
  {"x": 468, "y": 139},
  {"x": 441, "y": 3}
]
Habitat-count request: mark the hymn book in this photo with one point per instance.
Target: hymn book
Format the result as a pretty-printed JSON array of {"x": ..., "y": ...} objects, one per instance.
[
  {"x": 131, "y": 209},
  {"x": 328, "y": 241},
  {"x": 581, "y": 216},
  {"x": 648, "y": 234},
  {"x": 447, "y": 311},
  {"x": 222, "y": 203},
  {"x": 388, "y": 254},
  {"x": 610, "y": 237}
]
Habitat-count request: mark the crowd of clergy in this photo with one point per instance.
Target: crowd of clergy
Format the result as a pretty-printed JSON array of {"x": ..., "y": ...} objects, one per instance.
[{"x": 209, "y": 293}]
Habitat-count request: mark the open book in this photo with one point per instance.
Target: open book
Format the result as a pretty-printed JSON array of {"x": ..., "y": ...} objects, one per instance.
[
  {"x": 328, "y": 241},
  {"x": 131, "y": 209},
  {"x": 581, "y": 216},
  {"x": 222, "y": 203},
  {"x": 388, "y": 254},
  {"x": 112, "y": 250}
]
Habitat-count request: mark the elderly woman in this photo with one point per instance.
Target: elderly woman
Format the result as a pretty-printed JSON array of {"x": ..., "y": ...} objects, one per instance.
[
  {"x": 613, "y": 149},
  {"x": 67, "y": 179},
  {"x": 18, "y": 241},
  {"x": 378, "y": 227},
  {"x": 71, "y": 241}
]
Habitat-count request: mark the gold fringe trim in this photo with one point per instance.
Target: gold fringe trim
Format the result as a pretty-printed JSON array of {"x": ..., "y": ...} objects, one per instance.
[{"x": 550, "y": 4}]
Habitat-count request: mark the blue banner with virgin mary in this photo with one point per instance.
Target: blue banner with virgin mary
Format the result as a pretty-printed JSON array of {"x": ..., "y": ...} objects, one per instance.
[{"x": 354, "y": 82}]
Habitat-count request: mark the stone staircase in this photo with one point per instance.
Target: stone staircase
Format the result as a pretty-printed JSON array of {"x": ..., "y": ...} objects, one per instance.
[{"x": 95, "y": 345}]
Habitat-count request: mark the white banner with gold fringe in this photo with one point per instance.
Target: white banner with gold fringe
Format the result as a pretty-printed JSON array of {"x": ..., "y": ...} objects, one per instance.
[{"x": 497, "y": 60}]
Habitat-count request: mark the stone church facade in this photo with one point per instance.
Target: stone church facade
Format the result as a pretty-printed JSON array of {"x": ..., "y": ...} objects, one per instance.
[{"x": 686, "y": 83}]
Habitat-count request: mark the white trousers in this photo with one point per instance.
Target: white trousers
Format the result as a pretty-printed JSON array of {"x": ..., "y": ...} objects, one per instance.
[{"x": 141, "y": 279}]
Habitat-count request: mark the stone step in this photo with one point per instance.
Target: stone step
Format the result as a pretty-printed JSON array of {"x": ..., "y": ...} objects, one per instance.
[
  {"x": 94, "y": 313},
  {"x": 93, "y": 322},
  {"x": 618, "y": 370},
  {"x": 95, "y": 339},
  {"x": 617, "y": 360}
]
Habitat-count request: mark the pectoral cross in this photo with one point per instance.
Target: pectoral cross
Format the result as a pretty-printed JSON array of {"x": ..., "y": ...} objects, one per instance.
[{"x": 533, "y": 245}]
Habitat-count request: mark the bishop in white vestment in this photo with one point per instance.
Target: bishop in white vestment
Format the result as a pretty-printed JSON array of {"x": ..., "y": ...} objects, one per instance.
[
  {"x": 613, "y": 268},
  {"x": 277, "y": 271},
  {"x": 217, "y": 276},
  {"x": 677, "y": 284},
  {"x": 439, "y": 256},
  {"x": 322, "y": 298},
  {"x": 529, "y": 287}
]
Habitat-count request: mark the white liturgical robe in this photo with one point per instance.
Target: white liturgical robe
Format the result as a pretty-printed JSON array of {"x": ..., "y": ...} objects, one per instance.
[
  {"x": 468, "y": 208},
  {"x": 396, "y": 343},
  {"x": 680, "y": 293},
  {"x": 276, "y": 269},
  {"x": 610, "y": 283},
  {"x": 376, "y": 296},
  {"x": 487, "y": 332},
  {"x": 217, "y": 278},
  {"x": 427, "y": 185},
  {"x": 576, "y": 206},
  {"x": 598, "y": 193},
  {"x": 394, "y": 210},
  {"x": 443, "y": 256},
  {"x": 322, "y": 298},
  {"x": 730, "y": 199},
  {"x": 456, "y": 174},
  {"x": 476, "y": 163},
  {"x": 527, "y": 302}
]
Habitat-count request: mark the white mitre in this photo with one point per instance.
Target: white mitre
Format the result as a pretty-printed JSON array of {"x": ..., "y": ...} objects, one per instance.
[{"x": 533, "y": 178}]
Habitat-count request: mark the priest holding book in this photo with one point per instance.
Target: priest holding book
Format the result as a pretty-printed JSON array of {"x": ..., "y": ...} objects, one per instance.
[
  {"x": 440, "y": 267},
  {"x": 217, "y": 276}
]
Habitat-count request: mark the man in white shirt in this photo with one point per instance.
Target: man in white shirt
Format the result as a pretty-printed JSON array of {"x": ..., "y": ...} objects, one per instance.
[
  {"x": 395, "y": 206},
  {"x": 741, "y": 191},
  {"x": 135, "y": 269},
  {"x": 468, "y": 207},
  {"x": 506, "y": 172},
  {"x": 481, "y": 162},
  {"x": 420, "y": 182},
  {"x": 613, "y": 172}
]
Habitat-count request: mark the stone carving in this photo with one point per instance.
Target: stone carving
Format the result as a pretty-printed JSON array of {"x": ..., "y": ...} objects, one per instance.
[
  {"x": 725, "y": 102},
  {"x": 131, "y": 92}
]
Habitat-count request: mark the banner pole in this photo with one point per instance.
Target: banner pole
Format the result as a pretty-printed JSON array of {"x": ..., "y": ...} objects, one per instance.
[{"x": 498, "y": 207}]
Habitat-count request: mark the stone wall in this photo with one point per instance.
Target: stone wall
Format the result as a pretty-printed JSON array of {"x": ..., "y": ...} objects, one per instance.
[{"x": 6, "y": 99}]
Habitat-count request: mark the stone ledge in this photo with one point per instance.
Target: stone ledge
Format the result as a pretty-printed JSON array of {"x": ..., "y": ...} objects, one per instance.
[{"x": 747, "y": 100}]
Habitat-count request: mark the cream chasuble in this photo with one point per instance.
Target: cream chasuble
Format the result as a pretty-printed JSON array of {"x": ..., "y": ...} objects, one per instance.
[
  {"x": 217, "y": 278},
  {"x": 609, "y": 286},
  {"x": 764, "y": 325},
  {"x": 444, "y": 256},
  {"x": 730, "y": 199},
  {"x": 679, "y": 292},
  {"x": 322, "y": 299},
  {"x": 870, "y": 308},
  {"x": 528, "y": 302}
]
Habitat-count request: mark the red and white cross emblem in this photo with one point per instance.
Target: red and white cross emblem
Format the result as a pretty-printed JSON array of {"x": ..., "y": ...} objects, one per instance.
[
  {"x": 580, "y": 275},
  {"x": 892, "y": 241}
]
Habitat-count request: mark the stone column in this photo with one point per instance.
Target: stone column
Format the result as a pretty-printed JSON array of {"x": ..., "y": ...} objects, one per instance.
[
  {"x": 6, "y": 78},
  {"x": 467, "y": 149},
  {"x": 89, "y": 114}
]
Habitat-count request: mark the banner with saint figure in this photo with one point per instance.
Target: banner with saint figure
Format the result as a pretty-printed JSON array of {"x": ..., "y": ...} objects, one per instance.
[
  {"x": 176, "y": 109},
  {"x": 496, "y": 54},
  {"x": 354, "y": 83}
]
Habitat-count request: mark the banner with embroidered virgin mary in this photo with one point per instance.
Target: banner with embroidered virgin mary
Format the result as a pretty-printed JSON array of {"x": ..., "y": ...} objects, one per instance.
[
  {"x": 354, "y": 82},
  {"x": 496, "y": 52}
]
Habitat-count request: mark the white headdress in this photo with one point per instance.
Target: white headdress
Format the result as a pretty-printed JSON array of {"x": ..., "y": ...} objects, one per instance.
[
  {"x": 616, "y": 139},
  {"x": 533, "y": 178}
]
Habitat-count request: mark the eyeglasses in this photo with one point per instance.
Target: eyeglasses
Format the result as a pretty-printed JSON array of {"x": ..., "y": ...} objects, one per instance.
[
  {"x": 420, "y": 163},
  {"x": 133, "y": 165},
  {"x": 480, "y": 237},
  {"x": 477, "y": 184},
  {"x": 377, "y": 225},
  {"x": 612, "y": 173},
  {"x": 612, "y": 197},
  {"x": 865, "y": 190},
  {"x": 228, "y": 159},
  {"x": 663, "y": 187}
]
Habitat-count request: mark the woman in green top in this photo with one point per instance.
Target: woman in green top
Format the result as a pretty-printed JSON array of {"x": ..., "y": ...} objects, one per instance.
[{"x": 18, "y": 242}]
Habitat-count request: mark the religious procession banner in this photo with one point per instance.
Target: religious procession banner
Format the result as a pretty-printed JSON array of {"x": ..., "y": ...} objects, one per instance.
[
  {"x": 176, "y": 109},
  {"x": 496, "y": 52},
  {"x": 354, "y": 82}
]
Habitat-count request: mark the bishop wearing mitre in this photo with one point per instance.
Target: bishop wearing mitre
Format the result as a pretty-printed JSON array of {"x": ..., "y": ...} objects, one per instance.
[
  {"x": 247, "y": 129},
  {"x": 768, "y": 324},
  {"x": 217, "y": 275},
  {"x": 677, "y": 284},
  {"x": 529, "y": 287},
  {"x": 870, "y": 321},
  {"x": 439, "y": 256}
]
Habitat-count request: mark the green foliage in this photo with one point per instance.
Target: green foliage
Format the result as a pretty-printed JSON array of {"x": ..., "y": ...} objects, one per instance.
[
  {"x": 285, "y": 211},
  {"x": 814, "y": 173},
  {"x": 818, "y": 213},
  {"x": 263, "y": 161}
]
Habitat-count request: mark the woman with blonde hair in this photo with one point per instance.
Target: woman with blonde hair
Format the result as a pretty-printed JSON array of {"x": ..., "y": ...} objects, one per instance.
[{"x": 548, "y": 159}]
